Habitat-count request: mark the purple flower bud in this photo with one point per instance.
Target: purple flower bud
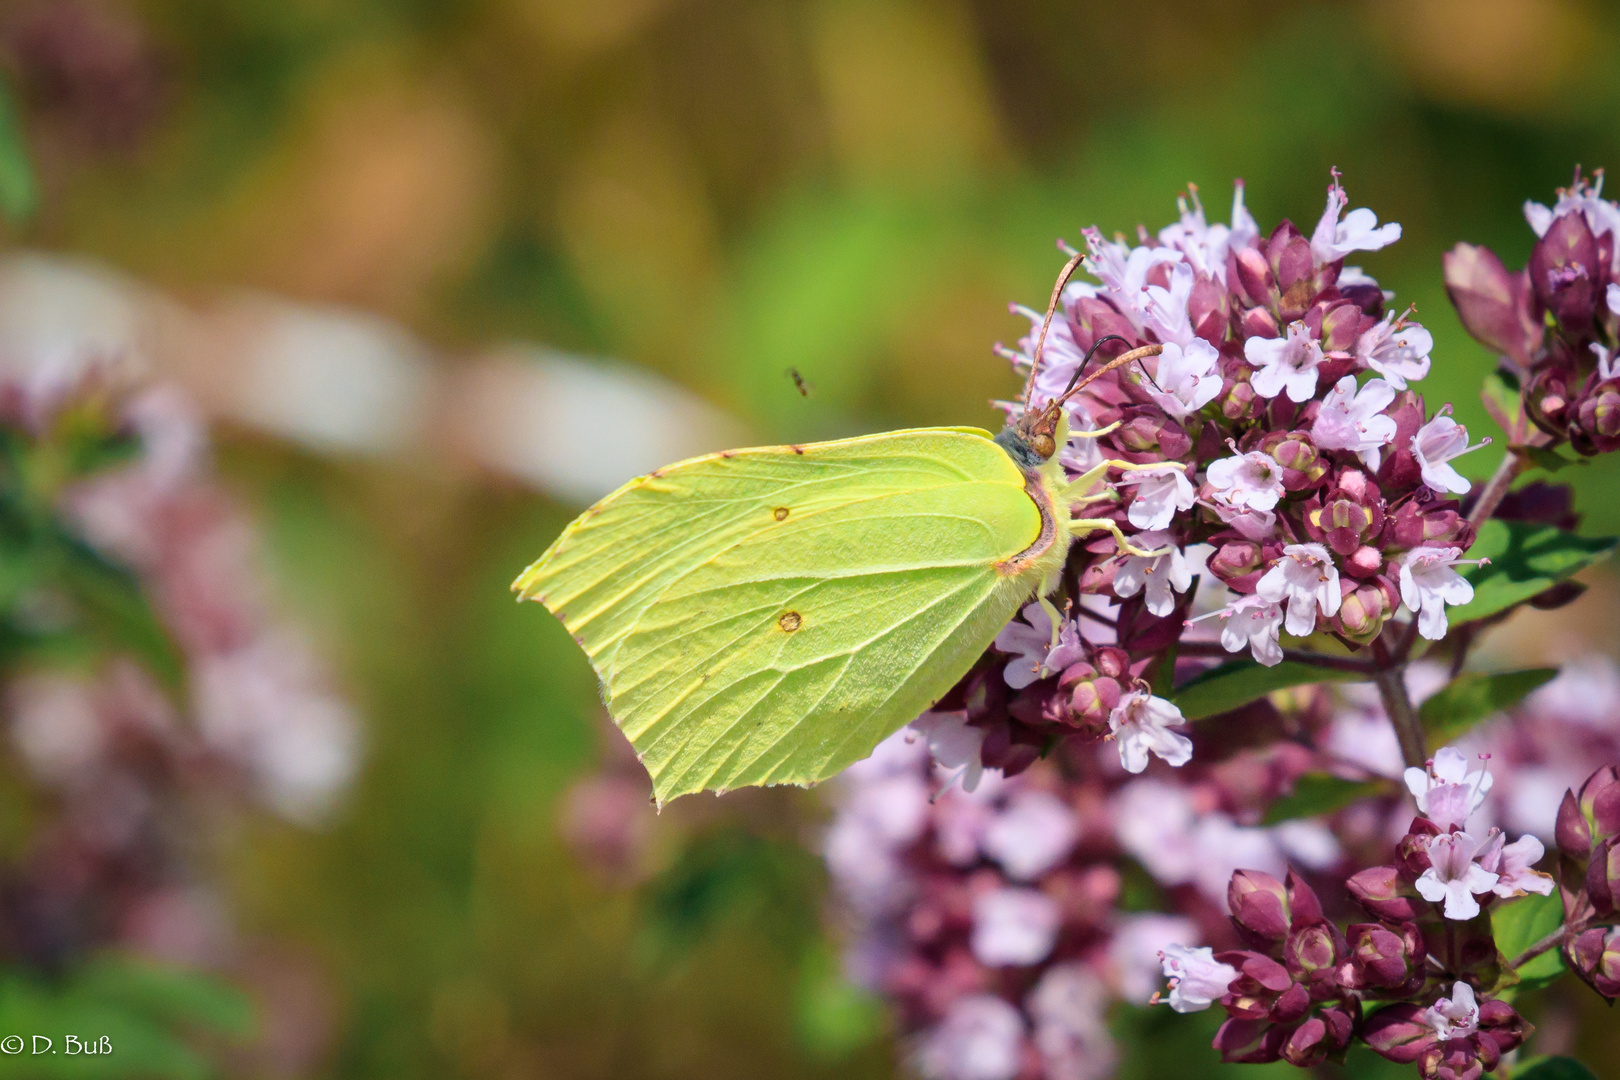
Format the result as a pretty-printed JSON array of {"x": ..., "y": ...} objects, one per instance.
[
  {"x": 1313, "y": 1041},
  {"x": 1502, "y": 1025},
  {"x": 1289, "y": 254},
  {"x": 1341, "y": 327},
  {"x": 1381, "y": 890},
  {"x": 1238, "y": 400},
  {"x": 1399, "y": 1033},
  {"x": 1496, "y": 307},
  {"x": 1092, "y": 697},
  {"x": 1381, "y": 956},
  {"x": 1148, "y": 431},
  {"x": 1314, "y": 951},
  {"x": 1548, "y": 397},
  {"x": 1091, "y": 320},
  {"x": 1259, "y": 322},
  {"x": 1595, "y": 956},
  {"x": 1307, "y": 1044},
  {"x": 1412, "y": 850},
  {"x": 1255, "y": 278},
  {"x": 1208, "y": 311},
  {"x": 1364, "y": 562},
  {"x": 1348, "y": 516},
  {"x": 1238, "y": 563},
  {"x": 1433, "y": 524},
  {"x": 1302, "y": 464},
  {"x": 1291, "y": 1004},
  {"x": 1365, "y": 608},
  {"x": 1565, "y": 273},
  {"x": 1600, "y": 803},
  {"x": 1572, "y": 833},
  {"x": 1259, "y": 905},
  {"x": 1400, "y": 471},
  {"x": 1305, "y": 909},
  {"x": 1249, "y": 1042},
  {"x": 1603, "y": 878},
  {"x": 1597, "y": 426}
]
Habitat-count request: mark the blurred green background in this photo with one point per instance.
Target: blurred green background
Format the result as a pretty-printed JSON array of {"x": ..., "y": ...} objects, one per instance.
[{"x": 715, "y": 190}]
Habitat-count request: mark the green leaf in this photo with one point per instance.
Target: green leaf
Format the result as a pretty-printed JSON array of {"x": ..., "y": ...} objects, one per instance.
[
  {"x": 1521, "y": 923},
  {"x": 1238, "y": 682},
  {"x": 1470, "y": 698},
  {"x": 171, "y": 994},
  {"x": 1550, "y": 460},
  {"x": 18, "y": 192},
  {"x": 142, "y": 1011},
  {"x": 1525, "y": 559},
  {"x": 1501, "y": 397},
  {"x": 1319, "y": 793},
  {"x": 1553, "y": 1068}
]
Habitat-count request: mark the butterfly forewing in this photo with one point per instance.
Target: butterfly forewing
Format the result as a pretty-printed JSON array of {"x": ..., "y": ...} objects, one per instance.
[{"x": 770, "y": 615}]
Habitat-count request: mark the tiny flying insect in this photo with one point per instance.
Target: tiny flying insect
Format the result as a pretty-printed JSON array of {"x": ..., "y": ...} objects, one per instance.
[
  {"x": 799, "y": 383},
  {"x": 769, "y": 615}
]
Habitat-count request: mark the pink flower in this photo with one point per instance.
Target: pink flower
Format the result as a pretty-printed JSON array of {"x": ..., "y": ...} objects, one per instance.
[
  {"x": 980, "y": 1038},
  {"x": 1014, "y": 927},
  {"x": 1162, "y": 575},
  {"x": 1398, "y": 352},
  {"x": 1136, "y": 950},
  {"x": 1185, "y": 379},
  {"x": 1514, "y": 865},
  {"x": 1164, "y": 310},
  {"x": 1141, "y": 723},
  {"x": 1456, "y": 1017},
  {"x": 1035, "y": 833},
  {"x": 1436, "y": 443},
  {"x": 1306, "y": 579},
  {"x": 1359, "y": 231},
  {"x": 1251, "y": 622},
  {"x": 1354, "y": 420},
  {"x": 1069, "y": 1009},
  {"x": 1160, "y": 492},
  {"x": 954, "y": 744},
  {"x": 1429, "y": 583},
  {"x": 1030, "y": 642},
  {"x": 1197, "y": 979},
  {"x": 1252, "y": 481},
  {"x": 1454, "y": 877},
  {"x": 1285, "y": 363},
  {"x": 1446, "y": 792}
]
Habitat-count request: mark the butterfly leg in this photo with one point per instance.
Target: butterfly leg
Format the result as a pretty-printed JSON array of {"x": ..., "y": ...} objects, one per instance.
[
  {"x": 1099, "y": 433},
  {"x": 1052, "y": 614},
  {"x": 1081, "y": 526}
]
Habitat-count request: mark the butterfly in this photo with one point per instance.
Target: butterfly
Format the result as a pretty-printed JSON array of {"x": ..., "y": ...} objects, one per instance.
[{"x": 769, "y": 615}]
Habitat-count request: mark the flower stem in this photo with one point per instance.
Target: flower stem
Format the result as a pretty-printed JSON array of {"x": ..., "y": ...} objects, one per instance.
[
  {"x": 1497, "y": 487},
  {"x": 1398, "y": 706},
  {"x": 1546, "y": 944}
]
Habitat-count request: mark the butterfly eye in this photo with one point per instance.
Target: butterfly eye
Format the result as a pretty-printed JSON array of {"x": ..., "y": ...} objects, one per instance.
[{"x": 1043, "y": 444}]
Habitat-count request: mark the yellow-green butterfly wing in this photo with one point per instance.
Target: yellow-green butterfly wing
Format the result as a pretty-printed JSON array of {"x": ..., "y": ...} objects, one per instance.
[{"x": 770, "y": 615}]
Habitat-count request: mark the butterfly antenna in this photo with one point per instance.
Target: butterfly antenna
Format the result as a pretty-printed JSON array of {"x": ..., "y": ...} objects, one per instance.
[
  {"x": 1046, "y": 324},
  {"x": 1118, "y": 362},
  {"x": 1067, "y": 390}
]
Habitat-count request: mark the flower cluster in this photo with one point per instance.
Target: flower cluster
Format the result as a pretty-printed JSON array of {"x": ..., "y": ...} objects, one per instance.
[
  {"x": 1555, "y": 321},
  {"x": 992, "y": 917},
  {"x": 109, "y": 500},
  {"x": 1276, "y": 439}
]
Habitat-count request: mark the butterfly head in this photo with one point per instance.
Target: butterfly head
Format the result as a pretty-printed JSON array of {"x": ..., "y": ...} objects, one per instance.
[{"x": 1034, "y": 438}]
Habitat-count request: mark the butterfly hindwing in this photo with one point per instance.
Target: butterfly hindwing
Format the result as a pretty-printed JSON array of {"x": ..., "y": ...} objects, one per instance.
[{"x": 770, "y": 615}]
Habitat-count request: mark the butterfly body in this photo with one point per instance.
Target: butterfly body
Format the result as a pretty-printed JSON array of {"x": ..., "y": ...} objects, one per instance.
[{"x": 769, "y": 615}]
